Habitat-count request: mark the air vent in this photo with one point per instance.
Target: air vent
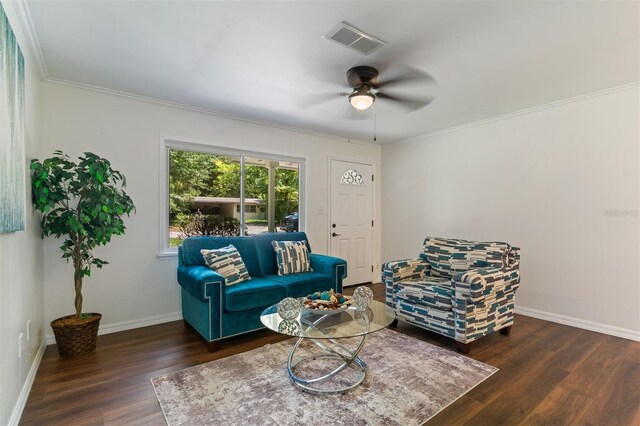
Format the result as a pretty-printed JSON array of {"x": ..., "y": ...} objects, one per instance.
[{"x": 354, "y": 39}]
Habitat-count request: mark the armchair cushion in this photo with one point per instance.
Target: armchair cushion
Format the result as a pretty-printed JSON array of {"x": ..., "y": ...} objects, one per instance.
[
  {"x": 253, "y": 294},
  {"x": 397, "y": 270},
  {"x": 449, "y": 257},
  {"x": 432, "y": 292}
]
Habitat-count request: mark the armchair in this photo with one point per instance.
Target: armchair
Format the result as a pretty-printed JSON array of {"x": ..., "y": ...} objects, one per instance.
[{"x": 460, "y": 289}]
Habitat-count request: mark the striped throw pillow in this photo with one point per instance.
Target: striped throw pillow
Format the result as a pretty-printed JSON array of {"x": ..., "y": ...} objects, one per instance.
[
  {"x": 227, "y": 262},
  {"x": 292, "y": 257}
]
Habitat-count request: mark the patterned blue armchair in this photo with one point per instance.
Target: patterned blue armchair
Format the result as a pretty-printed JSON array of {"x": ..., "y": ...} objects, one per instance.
[{"x": 460, "y": 289}]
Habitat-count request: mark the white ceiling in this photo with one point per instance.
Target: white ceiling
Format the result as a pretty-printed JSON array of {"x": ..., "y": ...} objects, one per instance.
[{"x": 267, "y": 60}]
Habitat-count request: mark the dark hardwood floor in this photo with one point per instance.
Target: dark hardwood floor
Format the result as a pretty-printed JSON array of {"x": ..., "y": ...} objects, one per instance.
[{"x": 549, "y": 374}]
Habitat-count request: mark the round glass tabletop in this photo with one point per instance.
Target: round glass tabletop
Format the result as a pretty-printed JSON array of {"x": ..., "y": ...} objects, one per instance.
[{"x": 315, "y": 324}]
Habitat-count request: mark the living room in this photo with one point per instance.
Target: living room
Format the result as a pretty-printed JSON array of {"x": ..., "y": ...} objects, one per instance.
[{"x": 518, "y": 122}]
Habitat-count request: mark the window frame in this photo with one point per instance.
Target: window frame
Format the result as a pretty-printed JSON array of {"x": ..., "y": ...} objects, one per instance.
[{"x": 166, "y": 144}]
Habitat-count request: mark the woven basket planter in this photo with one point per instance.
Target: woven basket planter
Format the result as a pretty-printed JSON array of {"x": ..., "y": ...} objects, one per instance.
[{"x": 78, "y": 338}]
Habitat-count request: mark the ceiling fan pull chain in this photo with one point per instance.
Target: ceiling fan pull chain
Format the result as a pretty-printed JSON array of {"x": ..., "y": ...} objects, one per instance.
[{"x": 375, "y": 119}]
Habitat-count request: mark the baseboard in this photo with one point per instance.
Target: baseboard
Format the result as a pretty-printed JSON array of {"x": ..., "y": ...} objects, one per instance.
[
  {"x": 18, "y": 408},
  {"x": 129, "y": 325},
  {"x": 625, "y": 333}
]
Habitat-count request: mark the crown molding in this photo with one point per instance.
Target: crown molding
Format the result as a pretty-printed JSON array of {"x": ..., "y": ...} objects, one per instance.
[
  {"x": 525, "y": 111},
  {"x": 157, "y": 101},
  {"x": 26, "y": 22},
  {"x": 24, "y": 16}
]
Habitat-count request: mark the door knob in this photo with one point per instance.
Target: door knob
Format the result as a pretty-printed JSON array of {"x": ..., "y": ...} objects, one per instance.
[{"x": 333, "y": 234}]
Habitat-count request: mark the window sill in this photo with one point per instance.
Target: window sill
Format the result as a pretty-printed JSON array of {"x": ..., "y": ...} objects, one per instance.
[{"x": 167, "y": 254}]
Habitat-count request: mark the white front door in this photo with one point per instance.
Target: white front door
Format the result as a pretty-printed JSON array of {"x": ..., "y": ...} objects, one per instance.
[{"x": 351, "y": 219}]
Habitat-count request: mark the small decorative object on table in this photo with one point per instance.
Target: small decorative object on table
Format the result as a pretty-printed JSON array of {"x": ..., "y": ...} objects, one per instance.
[
  {"x": 362, "y": 297},
  {"x": 364, "y": 315},
  {"x": 289, "y": 327},
  {"x": 327, "y": 301},
  {"x": 289, "y": 308}
]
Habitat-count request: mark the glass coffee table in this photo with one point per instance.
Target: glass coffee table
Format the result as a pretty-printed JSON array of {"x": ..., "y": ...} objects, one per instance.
[{"x": 328, "y": 331}]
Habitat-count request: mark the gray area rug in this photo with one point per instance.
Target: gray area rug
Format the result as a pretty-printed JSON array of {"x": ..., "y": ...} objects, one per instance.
[{"x": 409, "y": 381}]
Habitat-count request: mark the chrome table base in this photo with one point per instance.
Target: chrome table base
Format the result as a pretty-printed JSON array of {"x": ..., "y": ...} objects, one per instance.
[{"x": 349, "y": 359}]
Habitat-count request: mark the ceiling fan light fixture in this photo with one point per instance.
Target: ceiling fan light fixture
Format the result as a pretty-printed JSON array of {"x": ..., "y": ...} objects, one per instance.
[{"x": 361, "y": 99}]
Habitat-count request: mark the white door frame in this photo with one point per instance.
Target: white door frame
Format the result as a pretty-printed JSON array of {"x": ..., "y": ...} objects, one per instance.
[{"x": 374, "y": 252}]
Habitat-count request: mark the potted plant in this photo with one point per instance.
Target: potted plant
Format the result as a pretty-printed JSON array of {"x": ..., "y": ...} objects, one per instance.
[{"x": 83, "y": 203}]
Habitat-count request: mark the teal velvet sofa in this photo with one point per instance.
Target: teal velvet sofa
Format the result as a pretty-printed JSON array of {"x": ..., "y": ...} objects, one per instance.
[{"x": 217, "y": 311}]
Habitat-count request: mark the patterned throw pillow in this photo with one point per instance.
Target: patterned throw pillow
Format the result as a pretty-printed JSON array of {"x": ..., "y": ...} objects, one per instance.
[
  {"x": 227, "y": 262},
  {"x": 292, "y": 257}
]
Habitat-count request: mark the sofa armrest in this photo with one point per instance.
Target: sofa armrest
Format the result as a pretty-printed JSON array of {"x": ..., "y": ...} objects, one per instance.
[
  {"x": 330, "y": 265},
  {"x": 201, "y": 282},
  {"x": 398, "y": 270},
  {"x": 477, "y": 285}
]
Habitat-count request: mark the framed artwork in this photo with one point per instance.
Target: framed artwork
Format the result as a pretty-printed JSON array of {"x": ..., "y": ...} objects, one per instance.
[{"x": 12, "y": 164}]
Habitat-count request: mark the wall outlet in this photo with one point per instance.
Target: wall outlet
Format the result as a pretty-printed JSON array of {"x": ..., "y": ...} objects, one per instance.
[
  {"x": 28, "y": 330},
  {"x": 20, "y": 337}
]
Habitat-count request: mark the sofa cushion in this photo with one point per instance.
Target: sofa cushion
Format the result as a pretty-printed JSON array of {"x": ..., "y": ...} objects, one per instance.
[
  {"x": 253, "y": 294},
  {"x": 292, "y": 257},
  {"x": 303, "y": 284},
  {"x": 227, "y": 262},
  {"x": 266, "y": 254},
  {"x": 432, "y": 292},
  {"x": 449, "y": 257},
  {"x": 190, "y": 251}
]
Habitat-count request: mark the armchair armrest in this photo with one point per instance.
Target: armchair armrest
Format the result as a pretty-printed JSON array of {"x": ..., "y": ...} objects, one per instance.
[
  {"x": 330, "y": 265},
  {"x": 478, "y": 284},
  {"x": 513, "y": 257},
  {"x": 398, "y": 270},
  {"x": 201, "y": 282}
]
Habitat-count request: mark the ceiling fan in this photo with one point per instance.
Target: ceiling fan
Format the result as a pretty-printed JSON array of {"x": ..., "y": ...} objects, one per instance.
[{"x": 367, "y": 88}]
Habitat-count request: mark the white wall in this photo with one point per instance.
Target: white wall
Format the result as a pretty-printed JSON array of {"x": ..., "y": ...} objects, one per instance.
[
  {"x": 21, "y": 293},
  {"x": 560, "y": 182},
  {"x": 137, "y": 285}
]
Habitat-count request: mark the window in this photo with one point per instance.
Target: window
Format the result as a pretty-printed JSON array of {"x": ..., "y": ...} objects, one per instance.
[
  {"x": 352, "y": 177},
  {"x": 220, "y": 191},
  {"x": 247, "y": 209}
]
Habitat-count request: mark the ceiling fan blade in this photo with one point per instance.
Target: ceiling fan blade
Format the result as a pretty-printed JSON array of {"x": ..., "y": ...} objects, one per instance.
[
  {"x": 411, "y": 104},
  {"x": 317, "y": 99},
  {"x": 409, "y": 75}
]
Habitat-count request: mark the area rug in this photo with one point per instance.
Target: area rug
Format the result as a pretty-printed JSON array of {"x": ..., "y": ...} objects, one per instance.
[{"x": 409, "y": 381}]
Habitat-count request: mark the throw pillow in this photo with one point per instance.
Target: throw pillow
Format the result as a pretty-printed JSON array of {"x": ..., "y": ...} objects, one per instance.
[
  {"x": 292, "y": 257},
  {"x": 227, "y": 262}
]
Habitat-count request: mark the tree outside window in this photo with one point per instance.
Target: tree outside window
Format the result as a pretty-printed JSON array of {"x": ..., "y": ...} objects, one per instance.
[{"x": 204, "y": 194}]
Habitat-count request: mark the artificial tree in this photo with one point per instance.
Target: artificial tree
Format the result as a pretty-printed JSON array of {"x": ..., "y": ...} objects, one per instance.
[{"x": 84, "y": 203}]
